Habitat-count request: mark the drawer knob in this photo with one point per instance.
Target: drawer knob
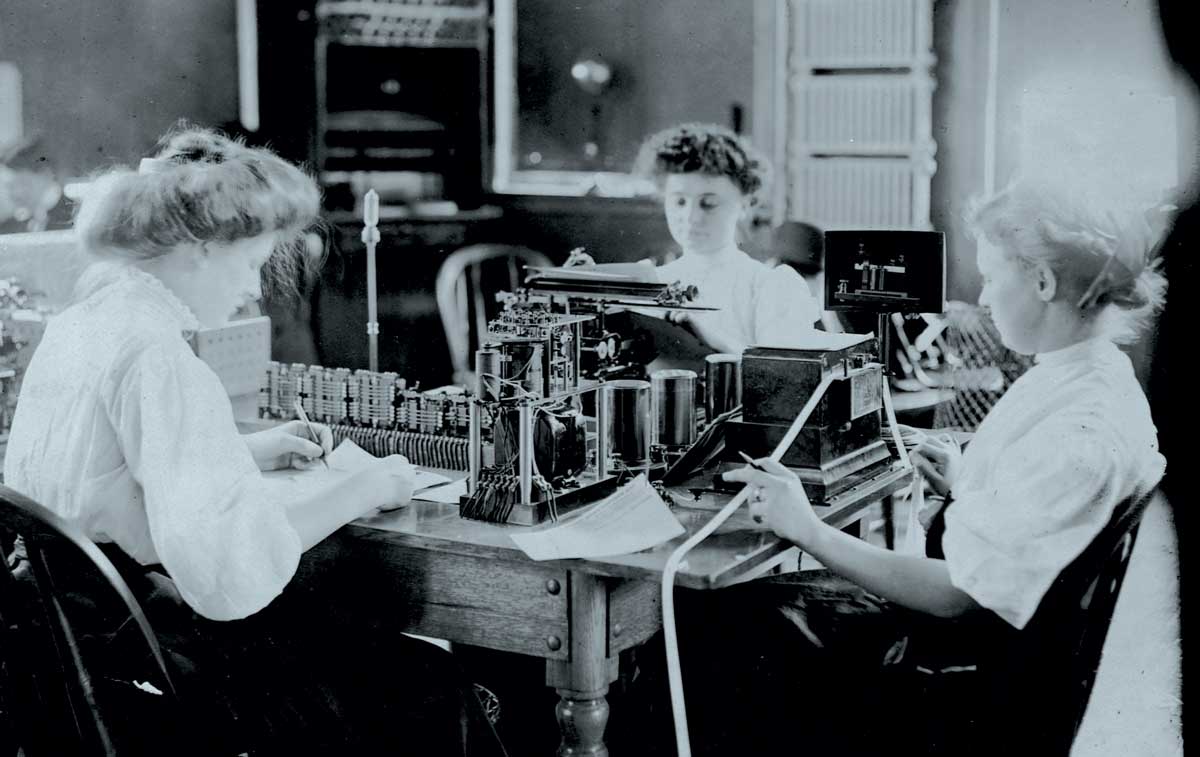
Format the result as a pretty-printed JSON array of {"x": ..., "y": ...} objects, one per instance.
[
  {"x": 553, "y": 586},
  {"x": 554, "y": 643}
]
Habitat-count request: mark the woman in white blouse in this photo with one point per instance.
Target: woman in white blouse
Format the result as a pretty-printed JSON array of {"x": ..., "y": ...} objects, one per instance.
[
  {"x": 1069, "y": 441},
  {"x": 709, "y": 178},
  {"x": 123, "y": 431}
]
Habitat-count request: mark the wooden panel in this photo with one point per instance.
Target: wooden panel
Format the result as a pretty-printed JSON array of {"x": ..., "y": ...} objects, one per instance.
[
  {"x": 589, "y": 669},
  {"x": 634, "y": 614},
  {"x": 514, "y": 606},
  {"x": 486, "y": 628}
]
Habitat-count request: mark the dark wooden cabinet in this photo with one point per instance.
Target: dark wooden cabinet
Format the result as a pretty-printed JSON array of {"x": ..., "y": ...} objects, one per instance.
[{"x": 401, "y": 94}]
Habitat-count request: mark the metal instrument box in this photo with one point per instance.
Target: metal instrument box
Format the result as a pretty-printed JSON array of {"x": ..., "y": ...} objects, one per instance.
[{"x": 843, "y": 434}]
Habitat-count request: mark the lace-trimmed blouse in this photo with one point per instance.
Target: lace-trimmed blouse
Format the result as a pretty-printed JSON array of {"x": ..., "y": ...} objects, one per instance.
[
  {"x": 1069, "y": 441},
  {"x": 123, "y": 431}
]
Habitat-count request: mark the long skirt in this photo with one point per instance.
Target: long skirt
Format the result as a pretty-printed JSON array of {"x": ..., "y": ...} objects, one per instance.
[
  {"x": 807, "y": 664},
  {"x": 304, "y": 676}
]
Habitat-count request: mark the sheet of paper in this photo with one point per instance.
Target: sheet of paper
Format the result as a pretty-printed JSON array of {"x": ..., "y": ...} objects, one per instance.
[
  {"x": 448, "y": 494},
  {"x": 349, "y": 458},
  {"x": 631, "y": 519},
  {"x": 640, "y": 271},
  {"x": 822, "y": 340}
]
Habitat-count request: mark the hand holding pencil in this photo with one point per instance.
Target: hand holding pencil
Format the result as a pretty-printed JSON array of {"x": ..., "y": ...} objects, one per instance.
[{"x": 295, "y": 444}]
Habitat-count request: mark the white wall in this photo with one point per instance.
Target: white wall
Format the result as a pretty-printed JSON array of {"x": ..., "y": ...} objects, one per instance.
[{"x": 1109, "y": 58}]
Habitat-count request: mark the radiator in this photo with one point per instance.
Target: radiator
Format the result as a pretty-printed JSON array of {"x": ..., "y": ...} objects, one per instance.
[
  {"x": 865, "y": 33},
  {"x": 859, "y": 139},
  {"x": 852, "y": 193}
]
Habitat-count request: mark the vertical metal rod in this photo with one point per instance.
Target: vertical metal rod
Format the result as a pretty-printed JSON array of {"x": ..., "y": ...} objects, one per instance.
[
  {"x": 883, "y": 343},
  {"x": 370, "y": 237},
  {"x": 601, "y": 433},
  {"x": 525, "y": 450},
  {"x": 474, "y": 444}
]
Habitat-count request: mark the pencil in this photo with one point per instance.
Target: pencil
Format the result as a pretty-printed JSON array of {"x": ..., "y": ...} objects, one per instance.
[
  {"x": 750, "y": 461},
  {"x": 311, "y": 431}
]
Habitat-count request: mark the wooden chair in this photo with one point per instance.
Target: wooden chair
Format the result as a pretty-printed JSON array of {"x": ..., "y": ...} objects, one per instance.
[
  {"x": 980, "y": 367},
  {"x": 466, "y": 287},
  {"x": 55, "y": 702},
  {"x": 1028, "y": 693}
]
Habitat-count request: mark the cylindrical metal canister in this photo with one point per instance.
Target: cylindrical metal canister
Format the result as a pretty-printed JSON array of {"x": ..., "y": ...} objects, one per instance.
[
  {"x": 673, "y": 404},
  {"x": 627, "y": 418},
  {"x": 722, "y": 383},
  {"x": 487, "y": 374}
]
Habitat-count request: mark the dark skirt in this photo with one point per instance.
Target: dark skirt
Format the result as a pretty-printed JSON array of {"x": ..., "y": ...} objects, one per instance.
[
  {"x": 807, "y": 663},
  {"x": 304, "y": 676}
]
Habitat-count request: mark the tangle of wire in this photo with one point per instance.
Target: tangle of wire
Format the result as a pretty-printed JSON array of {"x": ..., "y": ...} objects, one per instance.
[{"x": 499, "y": 489}]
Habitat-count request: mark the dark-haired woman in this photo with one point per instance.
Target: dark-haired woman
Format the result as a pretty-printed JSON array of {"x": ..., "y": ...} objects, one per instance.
[{"x": 709, "y": 179}]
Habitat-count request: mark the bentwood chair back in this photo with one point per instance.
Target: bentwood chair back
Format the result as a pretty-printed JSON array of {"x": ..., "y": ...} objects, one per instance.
[
  {"x": 56, "y": 703},
  {"x": 467, "y": 283},
  {"x": 1028, "y": 692}
]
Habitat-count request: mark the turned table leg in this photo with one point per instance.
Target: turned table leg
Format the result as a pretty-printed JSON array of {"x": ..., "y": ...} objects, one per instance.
[
  {"x": 582, "y": 717},
  {"x": 582, "y": 680}
]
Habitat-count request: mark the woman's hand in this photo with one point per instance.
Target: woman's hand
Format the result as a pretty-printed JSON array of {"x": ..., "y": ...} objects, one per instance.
[
  {"x": 289, "y": 445},
  {"x": 777, "y": 497},
  {"x": 578, "y": 257},
  {"x": 713, "y": 336},
  {"x": 938, "y": 458},
  {"x": 392, "y": 480}
]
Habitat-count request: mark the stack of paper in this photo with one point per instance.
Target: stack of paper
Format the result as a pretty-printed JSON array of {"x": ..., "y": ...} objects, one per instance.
[
  {"x": 641, "y": 272},
  {"x": 632, "y": 519}
]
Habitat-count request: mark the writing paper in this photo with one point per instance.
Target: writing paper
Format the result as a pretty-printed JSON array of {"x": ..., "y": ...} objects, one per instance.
[
  {"x": 347, "y": 459},
  {"x": 448, "y": 494},
  {"x": 631, "y": 519}
]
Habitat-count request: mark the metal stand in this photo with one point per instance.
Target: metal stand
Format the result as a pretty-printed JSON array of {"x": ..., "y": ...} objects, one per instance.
[
  {"x": 885, "y": 344},
  {"x": 370, "y": 237}
]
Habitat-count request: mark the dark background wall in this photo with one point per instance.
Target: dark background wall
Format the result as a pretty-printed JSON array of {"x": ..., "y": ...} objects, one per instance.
[
  {"x": 103, "y": 80},
  {"x": 673, "y": 60}
]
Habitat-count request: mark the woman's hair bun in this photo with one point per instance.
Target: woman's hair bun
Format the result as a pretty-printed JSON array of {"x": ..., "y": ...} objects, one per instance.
[
  {"x": 194, "y": 145},
  {"x": 201, "y": 187}
]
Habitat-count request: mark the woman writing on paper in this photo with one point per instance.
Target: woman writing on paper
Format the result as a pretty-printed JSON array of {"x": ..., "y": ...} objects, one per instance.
[
  {"x": 123, "y": 431},
  {"x": 1068, "y": 442}
]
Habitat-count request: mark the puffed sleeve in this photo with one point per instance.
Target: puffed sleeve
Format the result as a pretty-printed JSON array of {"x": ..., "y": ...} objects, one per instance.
[
  {"x": 784, "y": 308},
  {"x": 219, "y": 528},
  {"x": 1051, "y": 494}
]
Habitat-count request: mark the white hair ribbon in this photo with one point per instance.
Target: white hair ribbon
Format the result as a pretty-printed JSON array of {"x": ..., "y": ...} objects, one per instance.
[{"x": 153, "y": 165}]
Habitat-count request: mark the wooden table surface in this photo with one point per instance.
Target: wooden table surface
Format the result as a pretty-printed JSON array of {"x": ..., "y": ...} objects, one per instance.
[
  {"x": 738, "y": 547},
  {"x": 439, "y": 575}
]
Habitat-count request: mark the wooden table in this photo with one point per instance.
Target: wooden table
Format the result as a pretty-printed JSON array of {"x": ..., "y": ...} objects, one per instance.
[{"x": 467, "y": 582}]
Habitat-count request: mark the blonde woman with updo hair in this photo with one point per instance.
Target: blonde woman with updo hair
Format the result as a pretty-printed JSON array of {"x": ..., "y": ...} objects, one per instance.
[
  {"x": 124, "y": 432},
  {"x": 1042, "y": 476}
]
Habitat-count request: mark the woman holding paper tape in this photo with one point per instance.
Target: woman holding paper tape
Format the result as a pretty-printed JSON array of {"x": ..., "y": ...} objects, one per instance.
[
  {"x": 710, "y": 178},
  {"x": 1068, "y": 442},
  {"x": 122, "y": 430}
]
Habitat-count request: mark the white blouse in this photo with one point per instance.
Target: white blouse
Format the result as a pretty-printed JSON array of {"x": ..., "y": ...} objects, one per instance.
[
  {"x": 123, "y": 431},
  {"x": 757, "y": 304},
  {"x": 1070, "y": 440}
]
